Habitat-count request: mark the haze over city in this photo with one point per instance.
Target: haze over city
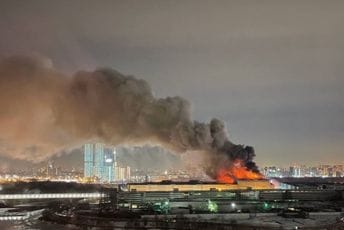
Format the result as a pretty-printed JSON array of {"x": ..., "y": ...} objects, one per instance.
[
  {"x": 155, "y": 114},
  {"x": 271, "y": 70}
]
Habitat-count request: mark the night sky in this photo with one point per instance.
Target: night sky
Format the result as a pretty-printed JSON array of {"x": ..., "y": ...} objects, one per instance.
[{"x": 272, "y": 70}]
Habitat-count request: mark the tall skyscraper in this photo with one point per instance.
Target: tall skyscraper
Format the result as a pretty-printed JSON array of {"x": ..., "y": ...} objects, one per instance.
[
  {"x": 108, "y": 165},
  {"x": 99, "y": 162},
  {"x": 88, "y": 160}
]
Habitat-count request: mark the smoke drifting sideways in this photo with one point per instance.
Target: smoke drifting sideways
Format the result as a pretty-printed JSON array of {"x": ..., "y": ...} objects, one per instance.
[{"x": 43, "y": 112}]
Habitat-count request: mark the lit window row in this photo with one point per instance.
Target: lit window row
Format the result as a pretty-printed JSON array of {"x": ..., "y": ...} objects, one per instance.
[{"x": 49, "y": 195}]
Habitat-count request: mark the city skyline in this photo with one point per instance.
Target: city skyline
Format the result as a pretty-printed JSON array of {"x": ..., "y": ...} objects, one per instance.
[
  {"x": 92, "y": 169},
  {"x": 75, "y": 160}
]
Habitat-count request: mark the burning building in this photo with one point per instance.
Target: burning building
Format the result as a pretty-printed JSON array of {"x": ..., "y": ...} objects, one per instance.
[{"x": 169, "y": 186}]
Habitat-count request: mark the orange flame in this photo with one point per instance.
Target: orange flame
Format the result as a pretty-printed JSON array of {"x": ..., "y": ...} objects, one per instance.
[{"x": 236, "y": 171}]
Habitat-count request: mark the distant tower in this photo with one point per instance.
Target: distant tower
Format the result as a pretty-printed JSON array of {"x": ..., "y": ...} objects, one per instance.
[
  {"x": 51, "y": 170},
  {"x": 115, "y": 166},
  {"x": 115, "y": 156},
  {"x": 108, "y": 166},
  {"x": 88, "y": 160},
  {"x": 99, "y": 162}
]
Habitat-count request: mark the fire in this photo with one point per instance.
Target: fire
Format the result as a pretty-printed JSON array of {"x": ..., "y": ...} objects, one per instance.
[{"x": 236, "y": 171}]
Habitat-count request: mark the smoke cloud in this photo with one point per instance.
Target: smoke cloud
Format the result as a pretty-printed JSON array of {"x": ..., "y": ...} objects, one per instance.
[{"x": 43, "y": 112}]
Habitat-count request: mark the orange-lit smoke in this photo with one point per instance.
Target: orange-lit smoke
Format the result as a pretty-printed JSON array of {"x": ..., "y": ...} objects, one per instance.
[
  {"x": 235, "y": 172},
  {"x": 45, "y": 112}
]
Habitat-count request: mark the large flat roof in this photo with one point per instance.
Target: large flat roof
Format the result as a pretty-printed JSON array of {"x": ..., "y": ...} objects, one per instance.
[{"x": 195, "y": 182}]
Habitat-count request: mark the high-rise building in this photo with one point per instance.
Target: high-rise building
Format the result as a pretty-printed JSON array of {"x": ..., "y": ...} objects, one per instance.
[
  {"x": 88, "y": 160},
  {"x": 128, "y": 173},
  {"x": 122, "y": 174},
  {"x": 99, "y": 162},
  {"x": 51, "y": 169},
  {"x": 108, "y": 165}
]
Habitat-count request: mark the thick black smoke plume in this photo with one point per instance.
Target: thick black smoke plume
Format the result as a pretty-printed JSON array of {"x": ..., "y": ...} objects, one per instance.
[{"x": 43, "y": 112}]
